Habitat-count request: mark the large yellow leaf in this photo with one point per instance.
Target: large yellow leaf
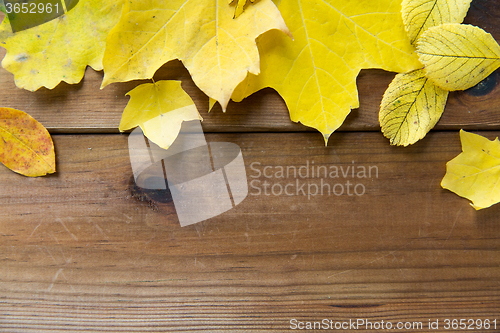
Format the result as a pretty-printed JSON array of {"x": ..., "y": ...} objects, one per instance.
[
  {"x": 420, "y": 15},
  {"x": 61, "y": 49},
  {"x": 333, "y": 40},
  {"x": 25, "y": 145},
  {"x": 411, "y": 107},
  {"x": 217, "y": 50},
  {"x": 475, "y": 173},
  {"x": 458, "y": 56},
  {"x": 159, "y": 109}
]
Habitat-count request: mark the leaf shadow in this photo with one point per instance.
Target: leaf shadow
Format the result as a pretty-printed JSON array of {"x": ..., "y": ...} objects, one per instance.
[
  {"x": 487, "y": 221},
  {"x": 489, "y": 216},
  {"x": 60, "y": 93}
]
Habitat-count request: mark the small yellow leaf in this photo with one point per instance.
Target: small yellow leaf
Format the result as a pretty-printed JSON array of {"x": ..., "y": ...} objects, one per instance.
[
  {"x": 61, "y": 49},
  {"x": 411, "y": 107},
  {"x": 333, "y": 40},
  {"x": 217, "y": 50},
  {"x": 420, "y": 15},
  {"x": 25, "y": 145},
  {"x": 458, "y": 56},
  {"x": 211, "y": 103},
  {"x": 159, "y": 109},
  {"x": 475, "y": 173},
  {"x": 239, "y": 6}
]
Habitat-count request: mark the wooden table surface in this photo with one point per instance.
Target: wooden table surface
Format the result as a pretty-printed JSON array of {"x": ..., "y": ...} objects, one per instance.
[{"x": 80, "y": 253}]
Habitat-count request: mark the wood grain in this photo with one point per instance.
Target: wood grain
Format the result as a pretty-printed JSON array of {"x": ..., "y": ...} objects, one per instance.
[{"x": 79, "y": 253}]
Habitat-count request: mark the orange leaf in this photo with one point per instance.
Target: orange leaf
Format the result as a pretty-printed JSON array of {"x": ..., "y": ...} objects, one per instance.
[{"x": 25, "y": 145}]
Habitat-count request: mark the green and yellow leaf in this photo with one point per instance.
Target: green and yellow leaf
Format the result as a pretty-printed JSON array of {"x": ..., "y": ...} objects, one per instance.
[
  {"x": 25, "y": 145},
  {"x": 458, "y": 56},
  {"x": 61, "y": 49},
  {"x": 333, "y": 40},
  {"x": 218, "y": 50},
  {"x": 159, "y": 109},
  {"x": 475, "y": 173},
  {"x": 410, "y": 108},
  {"x": 420, "y": 15}
]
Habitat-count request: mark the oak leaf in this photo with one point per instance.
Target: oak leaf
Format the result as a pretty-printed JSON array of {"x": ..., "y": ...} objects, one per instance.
[
  {"x": 475, "y": 173},
  {"x": 420, "y": 15},
  {"x": 217, "y": 50},
  {"x": 25, "y": 145},
  {"x": 410, "y": 108},
  {"x": 458, "y": 56},
  {"x": 333, "y": 40},
  {"x": 61, "y": 49},
  {"x": 159, "y": 109}
]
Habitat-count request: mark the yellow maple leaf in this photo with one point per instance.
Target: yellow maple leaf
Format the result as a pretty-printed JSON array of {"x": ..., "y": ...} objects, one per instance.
[
  {"x": 61, "y": 49},
  {"x": 240, "y": 5},
  {"x": 25, "y": 145},
  {"x": 475, "y": 173},
  {"x": 410, "y": 108},
  {"x": 159, "y": 109},
  {"x": 420, "y": 15},
  {"x": 217, "y": 50},
  {"x": 458, "y": 56},
  {"x": 333, "y": 40}
]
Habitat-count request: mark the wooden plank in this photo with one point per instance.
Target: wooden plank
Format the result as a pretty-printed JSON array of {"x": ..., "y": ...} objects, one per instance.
[
  {"x": 84, "y": 108},
  {"x": 79, "y": 253}
]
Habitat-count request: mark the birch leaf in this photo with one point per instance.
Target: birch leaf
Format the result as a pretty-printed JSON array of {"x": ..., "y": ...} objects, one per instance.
[
  {"x": 411, "y": 107},
  {"x": 333, "y": 40},
  {"x": 217, "y": 50},
  {"x": 61, "y": 49},
  {"x": 458, "y": 56},
  {"x": 475, "y": 173},
  {"x": 420, "y": 15},
  {"x": 25, "y": 145},
  {"x": 159, "y": 109}
]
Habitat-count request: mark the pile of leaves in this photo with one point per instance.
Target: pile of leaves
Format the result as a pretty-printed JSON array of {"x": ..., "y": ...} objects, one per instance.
[{"x": 310, "y": 52}]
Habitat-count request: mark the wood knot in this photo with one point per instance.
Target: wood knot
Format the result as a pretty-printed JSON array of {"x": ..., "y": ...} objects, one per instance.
[{"x": 484, "y": 87}]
